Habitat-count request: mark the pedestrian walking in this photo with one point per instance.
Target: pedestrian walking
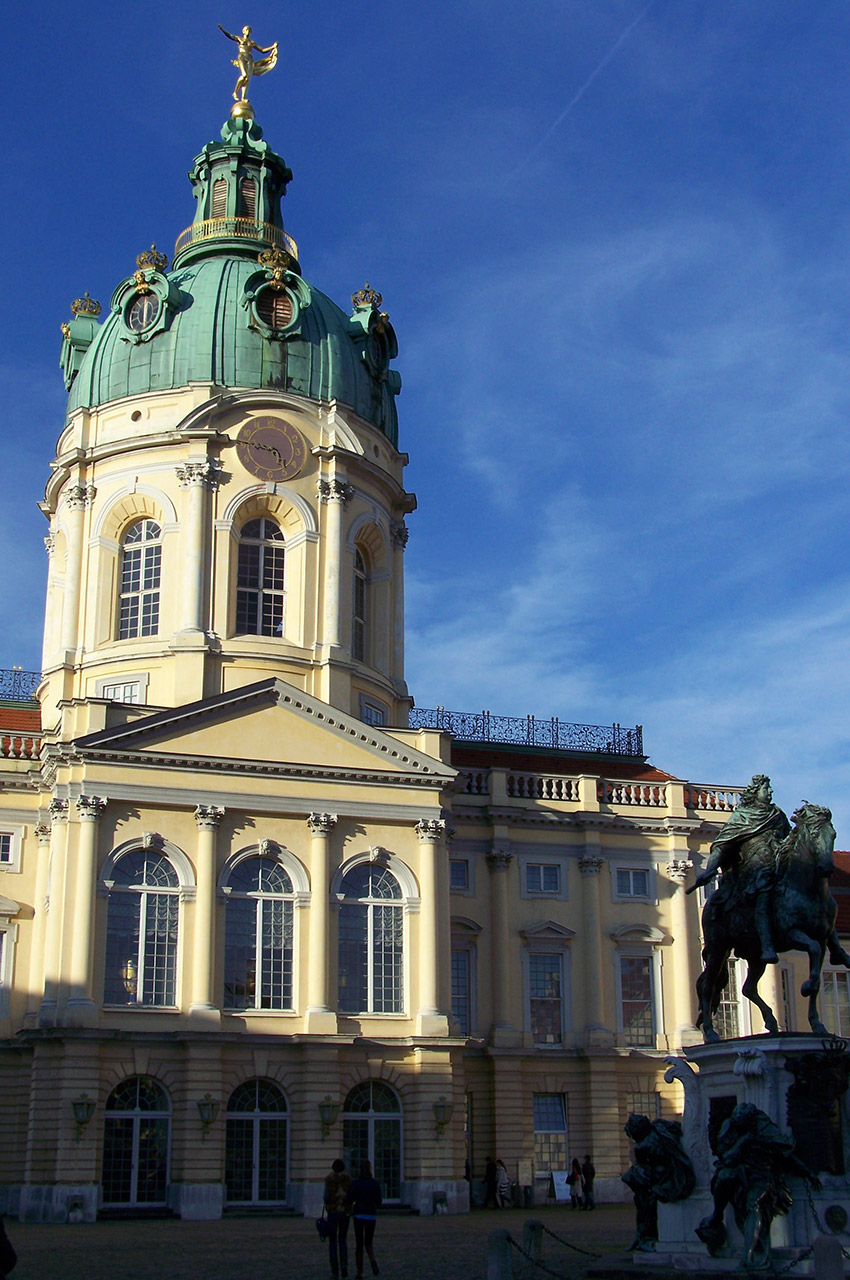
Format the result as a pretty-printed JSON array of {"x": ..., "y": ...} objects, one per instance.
[
  {"x": 574, "y": 1184},
  {"x": 503, "y": 1186},
  {"x": 588, "y": 1173},
  {"x": 491, "y": 1183},
  {"x": 364, "y": 1201},
  {"x": 8, "y": 1257},
  {"x": 337, "y": 1188}
]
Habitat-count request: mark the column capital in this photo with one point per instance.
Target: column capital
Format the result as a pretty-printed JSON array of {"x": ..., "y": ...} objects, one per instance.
[
  {"x": 591, "y": 864},
  {"x": 322, "y": 824},
  {"x": 678, "y": 868},
  {"x": 90, "y": 807},
  {"x": 335, "y": 491},
  {"x": 430, "y": 830},
  {"x": 42, "y": 832},
  {"x": 399, "y": 533},
  {"x": 205, "y": 474},
  {"x": 58, "y": 810},
  {"x": 208, "y": 816},
  {"x": 500, "y": 857},
  {"x": 79, "y": 496}
]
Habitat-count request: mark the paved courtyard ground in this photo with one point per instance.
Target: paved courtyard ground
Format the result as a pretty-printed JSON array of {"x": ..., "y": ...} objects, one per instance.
[{"x": 441, "y": 1248}]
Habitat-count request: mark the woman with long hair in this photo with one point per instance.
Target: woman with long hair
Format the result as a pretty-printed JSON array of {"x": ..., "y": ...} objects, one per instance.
[{"x": 364, "y": 1201}]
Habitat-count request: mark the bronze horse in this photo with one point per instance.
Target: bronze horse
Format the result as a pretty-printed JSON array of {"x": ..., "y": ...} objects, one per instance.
[{"x": 802, "y": 917}]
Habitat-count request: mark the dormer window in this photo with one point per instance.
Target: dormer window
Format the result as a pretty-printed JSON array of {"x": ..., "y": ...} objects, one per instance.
[{"x": 274, "y": 308}]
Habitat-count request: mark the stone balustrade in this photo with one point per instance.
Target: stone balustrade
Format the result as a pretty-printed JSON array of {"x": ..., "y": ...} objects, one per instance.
[{"x": 19, "y": 747}]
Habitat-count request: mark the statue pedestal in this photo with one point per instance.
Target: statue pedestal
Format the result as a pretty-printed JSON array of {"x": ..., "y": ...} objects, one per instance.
[{"x": 800, "y": 1082}]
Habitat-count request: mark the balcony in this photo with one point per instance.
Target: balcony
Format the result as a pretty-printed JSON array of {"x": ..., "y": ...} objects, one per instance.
[
  {"x": 589, "y": 793},
  {"x": 236, "y": 229},
  {"x": 528, "y": 731}
]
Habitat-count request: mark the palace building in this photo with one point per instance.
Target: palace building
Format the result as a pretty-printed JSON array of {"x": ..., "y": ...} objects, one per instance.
[{"x": 257, "y": 911}]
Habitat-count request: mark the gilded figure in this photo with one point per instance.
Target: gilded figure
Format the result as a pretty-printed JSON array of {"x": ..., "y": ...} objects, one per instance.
[{"x": 245, "y": 62}]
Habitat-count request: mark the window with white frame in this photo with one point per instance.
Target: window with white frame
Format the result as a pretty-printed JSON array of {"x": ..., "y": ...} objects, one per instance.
[
  {"x": 372, "y": 712},
  {"x": 260, "y": 579},
  {"x": 835, "y": 1001},
  {"x": 258, "y": 936},
  {"x": 462, "y": 988},
  {"x": 459, "y": 875},
  {"x": 141, "y": 566},
  {"x": 545, "y": 992},
  {"x": 543, "y": 877},
  {"x": 632, "y": 882},
  {"x": 371, "y": 942},
  {"x": 550, "y": 1132},
  {"x": 141, "y": 931},
  {"x": 638, "y": 1102},
  {"x": 727, "y": 1019},
  {"x": 11, "y": 839},
  {"x": 637, "y": 1000},
  {"x": 8, "y": 938}
]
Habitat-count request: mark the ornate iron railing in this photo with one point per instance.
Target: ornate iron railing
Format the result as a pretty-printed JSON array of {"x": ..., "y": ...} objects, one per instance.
[
  {"x": 239, "y": 229},
  {"x": 17, "y": 685},
  {"x": 527, "y": 731}
]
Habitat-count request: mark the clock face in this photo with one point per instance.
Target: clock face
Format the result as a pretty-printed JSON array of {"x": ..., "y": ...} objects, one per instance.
[
  {"x": 142, "y": 312},
  {"x": 271, "y": 449}
]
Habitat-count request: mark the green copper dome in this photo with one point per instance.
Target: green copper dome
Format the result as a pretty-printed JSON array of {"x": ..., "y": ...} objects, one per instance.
[{"x": 234, "y": 309}]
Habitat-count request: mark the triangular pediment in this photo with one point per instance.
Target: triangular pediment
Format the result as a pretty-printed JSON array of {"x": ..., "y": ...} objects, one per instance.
[{"x": 264, "y": 727}]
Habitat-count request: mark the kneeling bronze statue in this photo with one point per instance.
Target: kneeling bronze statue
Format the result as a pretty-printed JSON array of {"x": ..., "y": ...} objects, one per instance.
[{"x": 661, "y": 1171}]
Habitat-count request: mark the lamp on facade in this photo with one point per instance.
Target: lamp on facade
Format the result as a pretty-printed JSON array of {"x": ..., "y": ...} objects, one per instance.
[
  {"x": 328, "y": 1112},
  {"x": 442, "y": 1114},
  {"x": 83, "y": 1108},
  {"x": 207, "y": 1110}
]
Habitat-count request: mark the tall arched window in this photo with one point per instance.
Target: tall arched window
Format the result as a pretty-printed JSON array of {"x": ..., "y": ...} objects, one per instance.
[
  {"x": 135, "y": 1143},
  {"x": 247, "y": 198},
  {"x": 141, "y": 561},
  {"x": 258, "y": 936},
  {"x": 141, "y": 931},
  {"x": 219, "y": 198},
  {"x": 358, "y": 610},
  {"x": 371, "y": 1130},
  {"x": 259, "y": 586},
  {"x": 255, "y": 1145},
  {"x": 371, "y": 942}
]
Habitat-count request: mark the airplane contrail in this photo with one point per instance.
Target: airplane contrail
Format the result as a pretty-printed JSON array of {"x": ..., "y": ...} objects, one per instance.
[{"x": 579, "y": 94}]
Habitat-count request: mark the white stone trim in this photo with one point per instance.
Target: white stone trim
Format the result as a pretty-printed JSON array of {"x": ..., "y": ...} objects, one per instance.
[
  {"x": 127, "y": 491},
  {"x": 16, "y": 832},
  {"x": 275, "y": 489}
]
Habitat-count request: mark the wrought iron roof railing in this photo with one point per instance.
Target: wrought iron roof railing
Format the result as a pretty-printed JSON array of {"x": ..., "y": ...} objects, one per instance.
[
  {"x": 527, "y": 731},
  {"x": 17, "y": 685},
  {"x": 239, "y": 229}
]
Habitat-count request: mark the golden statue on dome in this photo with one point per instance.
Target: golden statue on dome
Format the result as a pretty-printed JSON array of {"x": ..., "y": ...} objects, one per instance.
[{"x": 247, "y": 66}]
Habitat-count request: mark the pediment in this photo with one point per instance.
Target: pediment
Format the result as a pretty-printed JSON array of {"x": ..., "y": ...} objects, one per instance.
[
  {"x": 265, "y": 727},
  {"x": 8, "y": 908},
  {"x": 638, "y": 932},
  {"x": 547, "y": 931}
]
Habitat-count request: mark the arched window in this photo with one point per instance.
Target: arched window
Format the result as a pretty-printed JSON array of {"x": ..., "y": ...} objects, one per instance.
[
  {"x": 358, "y": 609},
  {"x": 255, "y": 1146},
  {"x": 259, "y": 586},
  {"x": 371, "y": 1130},
  {"x": 258, "y": 936},
  {"x": 141, "y": 931},
  {"x": 135, "y": 1143},
  {"x": 219, "y": 198},
  {"x": 247, "y": 198},
  {"x": 371, "y": 942},
  {"x": 141, "y": 561}
]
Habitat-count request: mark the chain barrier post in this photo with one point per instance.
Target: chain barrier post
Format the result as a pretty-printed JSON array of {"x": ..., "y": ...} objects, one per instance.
[
  {"x": 829, "y": 1264},
  {"x": 532, "y": 1238},
  {"x": 499, "y": 1266}
]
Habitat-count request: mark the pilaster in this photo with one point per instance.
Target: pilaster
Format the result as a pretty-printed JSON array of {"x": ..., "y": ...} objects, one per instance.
[
  {"x": 80, "y": 1010},
  {"x": 503, "y": 1033},
  {"x": 596, "y": 1033},
  {"x": 203, "y": 1008},
  {"x": 321, "y": 1019}
]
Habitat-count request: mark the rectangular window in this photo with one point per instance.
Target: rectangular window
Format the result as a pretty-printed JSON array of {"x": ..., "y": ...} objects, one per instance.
[
  {"x": 461, "y": 989},
  {"x": 636, "y": 1000},
  {"x": 459, "y": 874},
  {"x": 727, "y": 1019},
  {"x": 372, "y": 712},
  {"x": 543, "y": 877},
  {"x": 636, "y": 1103},
  {"x": 130, "y": 692},
  {"x": 5, "y": 848},
  {"x": 546, "y": 1011},
  {"x": 550, "y": 1132},
  {"x": 835, "y": 1002},
  {"x": 632, "y": 883},
  {"x": 10, "y": 848}
]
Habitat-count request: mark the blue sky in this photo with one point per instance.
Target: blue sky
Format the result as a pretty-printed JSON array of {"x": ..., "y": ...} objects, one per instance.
[{"x": 613, "y": 239}]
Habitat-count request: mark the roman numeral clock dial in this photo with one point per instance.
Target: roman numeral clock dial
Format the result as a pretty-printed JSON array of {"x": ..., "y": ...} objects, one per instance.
[{"x": 271, "y": 449}]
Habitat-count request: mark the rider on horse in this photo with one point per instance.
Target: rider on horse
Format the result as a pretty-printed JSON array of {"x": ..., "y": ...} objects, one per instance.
[{"x": 745, "y": 851}]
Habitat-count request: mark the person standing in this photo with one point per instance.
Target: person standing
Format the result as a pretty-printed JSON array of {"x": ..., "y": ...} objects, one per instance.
[
  {"x": 8, "y": 1257},
  {"x": 588, "y": 1173},
  {"x": 337, "y": 1189},
  {"x": 364, "y": 1200},
  {"x": 503, "y": 1186},
  {"x": 574, "y": 1184},
  {"x": 491, "y": 1183}
]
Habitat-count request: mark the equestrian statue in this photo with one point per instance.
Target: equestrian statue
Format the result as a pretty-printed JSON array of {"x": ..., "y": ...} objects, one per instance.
[{"x": 773, "y": 896}]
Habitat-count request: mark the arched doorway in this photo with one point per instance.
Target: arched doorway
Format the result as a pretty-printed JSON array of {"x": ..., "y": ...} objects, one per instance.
[
  {"x": 136, "y": 1134},
  {"x": 255, "y": 1163},
  {"x": 372, "y": 1131}
]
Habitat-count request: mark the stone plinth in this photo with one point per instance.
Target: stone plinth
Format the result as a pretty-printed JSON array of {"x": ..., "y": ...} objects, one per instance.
[{"x": 774, "y": 1073}]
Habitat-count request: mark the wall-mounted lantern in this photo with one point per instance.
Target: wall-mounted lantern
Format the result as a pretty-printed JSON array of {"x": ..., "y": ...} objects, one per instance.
[
  {"x": 328, "y": 1112},
  {"x": 442, "y": 1114},
  {"x": 207, "y": 1110},
  {"x": 83, "y": 1108}
]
